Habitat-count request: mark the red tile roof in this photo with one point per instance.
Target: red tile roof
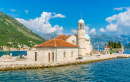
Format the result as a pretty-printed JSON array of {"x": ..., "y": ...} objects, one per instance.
[
  {"x": 63, "y": 37},
  {"x": 87, "y": 40},
  {"x": 56, "y": 43}
]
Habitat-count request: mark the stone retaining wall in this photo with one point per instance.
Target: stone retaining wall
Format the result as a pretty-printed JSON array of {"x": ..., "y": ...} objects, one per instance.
[{"x": 28, "y": 65}]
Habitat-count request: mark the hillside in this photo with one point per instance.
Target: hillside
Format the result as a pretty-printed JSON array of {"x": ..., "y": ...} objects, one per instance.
[
  {"x": 49, "y": 36},
  {"x": 127, "y": 46},
  {"x": 13, "y": 33},
  {"x": 101, "y": 39}
]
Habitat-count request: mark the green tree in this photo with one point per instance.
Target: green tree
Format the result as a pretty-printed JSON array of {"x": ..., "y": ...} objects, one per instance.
[
  {"x": 115, "y": 44},
  {"x": 119, "y": 44}
]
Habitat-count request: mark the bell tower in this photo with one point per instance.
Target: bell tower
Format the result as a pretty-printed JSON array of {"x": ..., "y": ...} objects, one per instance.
[{"x": 81, "y": 37}]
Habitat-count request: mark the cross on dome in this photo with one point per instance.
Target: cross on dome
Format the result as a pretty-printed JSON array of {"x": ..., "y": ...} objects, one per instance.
[{"x": 81, "y": 20}]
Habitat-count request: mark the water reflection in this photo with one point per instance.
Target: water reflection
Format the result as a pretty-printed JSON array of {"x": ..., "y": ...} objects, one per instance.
[{"x": 65, "y": 73}]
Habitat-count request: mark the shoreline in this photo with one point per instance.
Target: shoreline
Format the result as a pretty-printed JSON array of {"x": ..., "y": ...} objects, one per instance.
[{"x": 15, "y": 65}]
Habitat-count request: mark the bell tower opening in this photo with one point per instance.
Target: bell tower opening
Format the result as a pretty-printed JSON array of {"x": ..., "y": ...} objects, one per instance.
[{"x": 81, "y": 24}]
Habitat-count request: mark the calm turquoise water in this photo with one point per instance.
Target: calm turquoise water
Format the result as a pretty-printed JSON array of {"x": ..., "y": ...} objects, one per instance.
[
  {"x": 14, "y": 53},
  {"x": 115, "y": 70},
  {"x": 127, "y": 52}
]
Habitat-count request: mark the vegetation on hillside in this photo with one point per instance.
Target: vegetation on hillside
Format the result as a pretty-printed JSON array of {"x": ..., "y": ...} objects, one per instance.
[{"x": 13, "y": 33}]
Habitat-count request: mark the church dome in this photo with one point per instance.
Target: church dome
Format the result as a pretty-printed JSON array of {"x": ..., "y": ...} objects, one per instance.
[
  {"x": 87, "y": 36},
  {"x": 81, "y": 21}
]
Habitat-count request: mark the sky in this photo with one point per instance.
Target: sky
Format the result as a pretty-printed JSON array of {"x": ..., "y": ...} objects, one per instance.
[{"x": 61, "y": 16}]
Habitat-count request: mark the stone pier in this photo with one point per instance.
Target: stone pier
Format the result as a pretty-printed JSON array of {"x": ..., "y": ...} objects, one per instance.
[{"x": 24, "y": 64}]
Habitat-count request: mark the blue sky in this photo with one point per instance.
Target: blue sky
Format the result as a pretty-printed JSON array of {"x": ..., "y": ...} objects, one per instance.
[{"x": 61, "y": 16}]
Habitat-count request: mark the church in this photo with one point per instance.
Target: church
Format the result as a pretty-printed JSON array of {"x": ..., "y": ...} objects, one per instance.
[{"x": 63, "y": 47}]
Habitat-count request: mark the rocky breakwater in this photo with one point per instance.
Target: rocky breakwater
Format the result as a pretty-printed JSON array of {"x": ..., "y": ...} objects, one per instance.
[
  {"x": 11, "y": 65},
  {"x": 20, "y": 65}
]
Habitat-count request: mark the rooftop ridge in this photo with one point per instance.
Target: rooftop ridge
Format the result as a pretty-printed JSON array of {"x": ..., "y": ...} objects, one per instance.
[
  {"x": 64, "y": 37},
  {"x": 57, "y": 43},
  {"x": 60, "y": 35}
]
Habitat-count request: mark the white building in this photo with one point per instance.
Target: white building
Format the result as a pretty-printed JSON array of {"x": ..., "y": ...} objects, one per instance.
[
  {"x": 53, "y": 50},
  {"x": 63, "y": 47}
]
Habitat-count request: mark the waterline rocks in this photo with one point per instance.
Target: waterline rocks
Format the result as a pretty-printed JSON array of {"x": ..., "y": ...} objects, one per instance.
[{"x": 11, "y": 65}]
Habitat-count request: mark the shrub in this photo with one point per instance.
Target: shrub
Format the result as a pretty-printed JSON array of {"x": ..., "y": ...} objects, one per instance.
[
  {"x": 90, "y": 54},
  {"x": 111, "y": 52}
]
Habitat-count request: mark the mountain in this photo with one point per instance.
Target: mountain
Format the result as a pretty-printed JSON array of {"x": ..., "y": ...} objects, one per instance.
[
  {"x": 13, "y": 33},
  {"x": 98, "y": 40},
  {"x": 48, "y": 36},
  {"x": 127, "y": 46},
  {"x": 101, "y": 39}
]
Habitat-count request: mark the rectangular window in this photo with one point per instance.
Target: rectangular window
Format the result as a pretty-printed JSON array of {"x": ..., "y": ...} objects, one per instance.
[
  {"x": 35, "y": 56},
  {"x": 64, "y": 55},
  {"x": 72, "y": 54}
]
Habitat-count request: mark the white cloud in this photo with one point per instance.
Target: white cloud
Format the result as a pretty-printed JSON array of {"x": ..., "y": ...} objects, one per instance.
[
  {"x": 119, "y": 22},
  {"x": 26, "y": 11},
  {"x": 58, "y": 15},
  {"x": 111, "y": 27},
  {"x": 74, "y": 31},
  {"x": 86, "y": 28},
  {"x": 121, "y": 8},
  {"x": 102, "y": 30},
  {"x": 41, "y": 24},
  {"x": 92, "y": 31},
  {"x": 111, "y": 19},
  {"x": 12, "y": 10}
]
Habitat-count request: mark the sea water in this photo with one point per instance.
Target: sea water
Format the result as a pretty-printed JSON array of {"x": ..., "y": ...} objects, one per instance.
[
  {"x": 14, "y": 53},
  {"x": 114, "y": 70}
]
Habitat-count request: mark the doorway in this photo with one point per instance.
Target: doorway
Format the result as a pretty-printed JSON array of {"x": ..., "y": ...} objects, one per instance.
[
  {"x": 49, "y": 57},
  {"x": 53, "y": 56},
  {"x": 35, "y": 56}
]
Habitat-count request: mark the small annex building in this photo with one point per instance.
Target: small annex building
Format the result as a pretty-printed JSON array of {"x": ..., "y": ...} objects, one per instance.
[{"x": 54, "y": 50}]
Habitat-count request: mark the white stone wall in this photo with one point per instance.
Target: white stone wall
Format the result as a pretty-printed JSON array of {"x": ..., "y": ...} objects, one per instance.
[
  {"x": 81, "y": 41},
  {"x": 81, "y": 33},
  {"x": 71, "y": 39},
  {"x": 42, "y": 54},
  {"x": 60, "y": 55},
  {"x": 89, "y": 47},
  {"x": 82, "y": 51}
]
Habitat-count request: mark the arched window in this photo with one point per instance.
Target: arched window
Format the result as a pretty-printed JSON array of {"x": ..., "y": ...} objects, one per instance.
[
  {"x": 80, "y": 26},
  {"x": 64, "y": 55},
  {"x": 72, "y": 54}
]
